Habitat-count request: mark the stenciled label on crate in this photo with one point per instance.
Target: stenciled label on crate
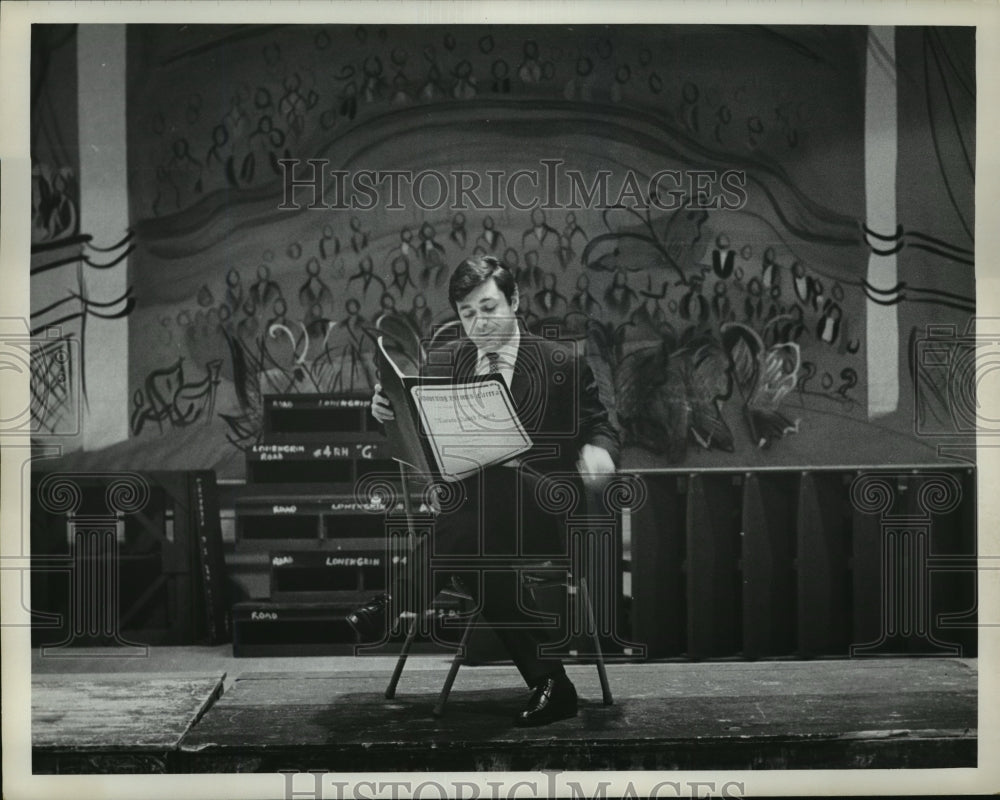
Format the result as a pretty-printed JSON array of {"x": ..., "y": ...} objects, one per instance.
[
  {"x": 333, "y": 560},
  {"x": 367, "y": 451},
  {"x": 320, "y": 505}
]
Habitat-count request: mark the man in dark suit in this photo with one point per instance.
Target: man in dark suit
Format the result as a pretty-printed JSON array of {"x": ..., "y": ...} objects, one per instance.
[{"x": 504, "y": 511}]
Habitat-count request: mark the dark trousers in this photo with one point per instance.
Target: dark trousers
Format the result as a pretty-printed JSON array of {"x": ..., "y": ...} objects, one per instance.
[{"x": 489, "y": 517}]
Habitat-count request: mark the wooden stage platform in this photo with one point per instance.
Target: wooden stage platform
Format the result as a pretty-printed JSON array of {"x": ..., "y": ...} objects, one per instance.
[
  {"x": 838, "y": 714},
  {"x": 126, "y": 722}
]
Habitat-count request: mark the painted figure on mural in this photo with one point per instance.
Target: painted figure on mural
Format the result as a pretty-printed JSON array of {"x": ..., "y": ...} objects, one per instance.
[
  {"x": 315, "y": 322},
  {"x": 429, "y": 248},
  {"x": 405, "y": 247},
  {"x": 264, "y": 291},
  {"x": 359, "y": 237},
  {"x": 548, "y": 301},
  {"x": 420, "y": 315},
  {"x": 348, "y": 350},
  {"x": 465, "y": 81},
  {"x": 401, "y": 278},
  {"x": 541, "y": 235},
  {"x": 753, "y": 305},
  {"x": 293, "y": 105},
  {"x": 721, "y": 307},
  {"x": 329, "y": 244},
  {"x": 225, "y": 316},
  {"x": 770, "y": 270},
  {"x": 619, "y": 296},
  {"x": 693, "y": 305},
  {"x": 431, "y": 253},
  {"x": 531, "y": 274},
  {"x": 572, "y": 231},
  {"x": 374, "y": 85},
  {"x": 565, "y": 253},
  {"x": 234, "y": 290},
  {"x": 314, "y": 290},
  {"x": 801, "y": 282},
  {"x": 723, "y": 259},
  {"x": 267, "y": 146},
  {"x": 400, "y": 90},
  {"x": 458, "y": 234},
  {"x": 511, "y": 261},
  {"x": 491, "y": 239},
  {"x": 530, "y": 70},
  {"x": 433, "y": 87},
  {"x": 579, "y": 87},
  {"x": 248, "y": 325},
  {"x": 366, "y": 275},
  {"x": 185, "y": 170},
  {"x": 220, "y": 150},
  {"x": 583, "y": 300},
  {"x": 500, "y": 71}
]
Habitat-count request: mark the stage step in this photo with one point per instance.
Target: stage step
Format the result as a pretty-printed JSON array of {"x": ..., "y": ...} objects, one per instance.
[{"x": 115, "y": 723}]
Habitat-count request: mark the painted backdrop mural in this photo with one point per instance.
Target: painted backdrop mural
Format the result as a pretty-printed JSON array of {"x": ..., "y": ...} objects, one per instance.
[{"x": 726, "y": 315}]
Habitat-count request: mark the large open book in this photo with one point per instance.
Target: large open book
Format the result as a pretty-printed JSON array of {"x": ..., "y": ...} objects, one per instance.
[{"x": 449, "y": 429}]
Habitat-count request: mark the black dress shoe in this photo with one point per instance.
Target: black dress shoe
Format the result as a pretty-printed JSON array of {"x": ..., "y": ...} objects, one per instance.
[
  {"x": 553, "y": 699},
  {"x": 371, "y": 620}
]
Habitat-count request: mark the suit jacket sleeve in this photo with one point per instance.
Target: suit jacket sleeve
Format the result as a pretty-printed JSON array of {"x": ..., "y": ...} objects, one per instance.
[{"x": 595, "y": 423}]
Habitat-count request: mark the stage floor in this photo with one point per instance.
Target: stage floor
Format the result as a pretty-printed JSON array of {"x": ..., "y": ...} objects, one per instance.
[{"x": 266, "y": 715}]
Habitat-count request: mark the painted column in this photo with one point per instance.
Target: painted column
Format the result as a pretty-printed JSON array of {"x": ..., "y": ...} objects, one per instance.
[
  {"x": 103, "y": 215},
  {"x": 883, "y": 234}
]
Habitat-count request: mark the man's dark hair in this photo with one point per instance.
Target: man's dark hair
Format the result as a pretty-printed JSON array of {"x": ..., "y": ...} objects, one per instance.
[{"x": 474, "y": 272}]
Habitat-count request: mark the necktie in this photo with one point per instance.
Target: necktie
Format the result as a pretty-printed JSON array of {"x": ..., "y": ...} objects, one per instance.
[{"x": 494, "y": 362}]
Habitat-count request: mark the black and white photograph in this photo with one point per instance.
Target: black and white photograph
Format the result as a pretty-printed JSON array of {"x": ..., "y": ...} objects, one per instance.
[{"x": 487, "y": 401}]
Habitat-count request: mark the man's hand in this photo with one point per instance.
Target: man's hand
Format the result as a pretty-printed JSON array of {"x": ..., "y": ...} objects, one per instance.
[
  {"x": 595, "y": 465},
  {"x": 381, "y": 407}
]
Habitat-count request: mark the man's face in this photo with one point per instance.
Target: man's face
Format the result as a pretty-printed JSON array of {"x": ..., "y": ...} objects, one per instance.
[{"x": 487, "y": 317}]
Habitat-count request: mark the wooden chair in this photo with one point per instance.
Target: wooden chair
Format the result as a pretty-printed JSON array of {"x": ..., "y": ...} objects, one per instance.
[
  {"x": 535, "y": 575},
  {"x": 534, "y": 580}
]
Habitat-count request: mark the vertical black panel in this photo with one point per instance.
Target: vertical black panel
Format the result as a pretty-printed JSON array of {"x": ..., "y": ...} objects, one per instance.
[
  {"x": 949, "y": 587},
  {"x": 956, "y": 618},
  {"x": 713, "y": 553},
  {"x": 823, "y": 553},
  {"x": 769, "y": 601},
  {"x": 867, "y": 580},
  {"x": 658, "y": 579}
]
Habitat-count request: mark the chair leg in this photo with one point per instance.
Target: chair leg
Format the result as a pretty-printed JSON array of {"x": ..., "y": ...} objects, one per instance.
[
  {"x": 411, "y": 634},
  {"x": 456, "y": 662},
  {"x": 601, "y": 671}
]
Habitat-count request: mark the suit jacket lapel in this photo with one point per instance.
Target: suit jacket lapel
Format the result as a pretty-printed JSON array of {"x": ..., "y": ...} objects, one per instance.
[{"x": 520, "y": 382}]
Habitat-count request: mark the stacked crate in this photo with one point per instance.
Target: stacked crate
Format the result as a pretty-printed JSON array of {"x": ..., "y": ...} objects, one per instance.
[{"x": 310, "y": 545}]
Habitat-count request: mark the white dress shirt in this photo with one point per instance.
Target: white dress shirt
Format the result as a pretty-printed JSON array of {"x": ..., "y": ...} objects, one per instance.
[{"x": 507, "y": 353}]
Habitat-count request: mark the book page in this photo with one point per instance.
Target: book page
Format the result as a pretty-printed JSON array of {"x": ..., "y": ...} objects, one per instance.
[{"x": 469, "y": 425}]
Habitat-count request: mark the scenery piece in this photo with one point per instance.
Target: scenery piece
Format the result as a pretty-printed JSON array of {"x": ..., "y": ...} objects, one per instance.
[{"x": 710, "y": 234}]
